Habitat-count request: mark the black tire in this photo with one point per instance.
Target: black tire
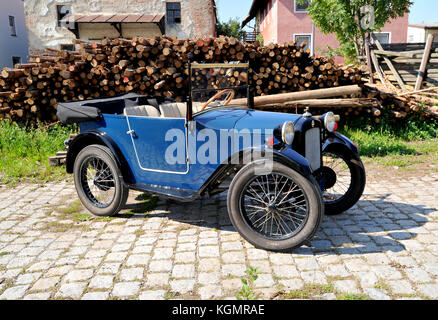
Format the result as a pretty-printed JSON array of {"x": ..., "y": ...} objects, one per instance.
[
  {"x": 241, "y": 189},
  {"x": 347, "y": 195},
  {"x": 101, "y": 157}
]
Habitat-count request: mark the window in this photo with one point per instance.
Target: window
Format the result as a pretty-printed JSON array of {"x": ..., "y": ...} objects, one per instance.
[
  {"x": 67, "y": 47},
  {"x": 173, "y": 10},
  {"x": 301, "y": 38},
  {"x": 383, "y": 37},
  {"x": 16, "y": 60},
  {"x": 302, "y": 6},
  {"x": 12, "y": 26},
  {"x": 63, "y": 11}
]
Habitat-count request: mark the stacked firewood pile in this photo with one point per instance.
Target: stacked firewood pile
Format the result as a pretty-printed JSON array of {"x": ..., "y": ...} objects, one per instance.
[{"x": 157, "y": 66}]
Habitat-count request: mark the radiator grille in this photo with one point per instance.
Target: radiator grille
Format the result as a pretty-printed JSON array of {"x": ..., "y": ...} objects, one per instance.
[{"x": 313, "y": 148}]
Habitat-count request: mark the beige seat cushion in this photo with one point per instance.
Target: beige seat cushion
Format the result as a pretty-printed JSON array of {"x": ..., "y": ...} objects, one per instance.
[
  {"x": 142, "y": 111},
  {"x": 173, "y": 110}
]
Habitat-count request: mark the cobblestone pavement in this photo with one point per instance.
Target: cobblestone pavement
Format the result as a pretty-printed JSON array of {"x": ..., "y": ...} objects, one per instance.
[{"x": 386, "y": 247}]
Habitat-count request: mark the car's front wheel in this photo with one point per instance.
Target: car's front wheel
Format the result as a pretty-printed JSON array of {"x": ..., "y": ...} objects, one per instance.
[
  {"x": 98, "y": 181},
  {"x": 277, "y": 210},
  {"x": 344, "y": 181}
]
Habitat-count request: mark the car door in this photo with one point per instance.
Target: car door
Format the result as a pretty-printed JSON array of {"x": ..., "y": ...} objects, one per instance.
[{"x": 159, "y": 144}]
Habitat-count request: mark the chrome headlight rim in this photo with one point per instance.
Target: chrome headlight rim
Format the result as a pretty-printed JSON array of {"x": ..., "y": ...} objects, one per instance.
[
  {"x": 330, "y": 121},
  {"x": 288, "y": 133}
]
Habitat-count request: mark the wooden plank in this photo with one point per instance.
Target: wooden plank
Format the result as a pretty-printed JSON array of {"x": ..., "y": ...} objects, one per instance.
[
  {"x": 132, "y": 18},
  {"x": 146, "y": 18},
  {"x": 424, "y": 62},
  {"x": 377, "y": 67},
  {"x": 368, "y": 55},
  {"x": 391, "y": 66}
]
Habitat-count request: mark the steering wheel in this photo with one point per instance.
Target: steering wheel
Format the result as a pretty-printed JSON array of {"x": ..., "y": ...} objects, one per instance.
[{"x": 217, "y": 95}]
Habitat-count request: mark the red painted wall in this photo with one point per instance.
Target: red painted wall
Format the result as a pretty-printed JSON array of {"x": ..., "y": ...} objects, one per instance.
[{"x": 284, "y": 23}]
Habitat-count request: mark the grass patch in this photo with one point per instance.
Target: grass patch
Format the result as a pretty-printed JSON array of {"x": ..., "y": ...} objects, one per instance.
[
  {"x": 3, "y": 254},
  {"x": 74, "y": 209},
  {"x": 24, "y": 152},
  {"x": 401, "y": 143}
]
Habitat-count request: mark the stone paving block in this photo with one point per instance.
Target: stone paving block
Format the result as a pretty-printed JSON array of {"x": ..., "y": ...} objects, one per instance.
[
  {"x": 208, "y": 278},
  {"x": 210, "y": 292},
  {"x": 160, "y": 265},
  {"x": 101, "y": 282},
  {"x": 14, "y": 293},
  {"x": 95, "y": 296},
  {"x": 401, "y": 287},
  {"x": 37, "y": 296},
  {"x": 131, "y": 274},
  {"x": 346, "y": 286},
  {"x": 44, "y": 284},
  {"x": 152, "y": 295},
  {"x": 377, "y": 294},
  {"x": 157, "y": 279},
  {"x": 233, "y": 257},
  {"x": 208, "y": 251},
  {"x": 182, "y": 286},
  {"x": 71, "y": 290},
  {"x": 429, "y": 290},
  {"x": 79, "y": 275},
  {"x": 183, "y": 271},
  {"x": 138, "y": 260},
  {"x": 125, "y": 289}
]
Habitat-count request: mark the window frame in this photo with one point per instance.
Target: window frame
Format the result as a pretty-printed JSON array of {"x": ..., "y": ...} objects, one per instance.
[
  {"x": 300, "y": 11},
  {"x": 307, "y": 35},
  {"x": 389, "y": 33},
  {"x": 12, "y": 26},
  {"x": 173, "y": 13}
]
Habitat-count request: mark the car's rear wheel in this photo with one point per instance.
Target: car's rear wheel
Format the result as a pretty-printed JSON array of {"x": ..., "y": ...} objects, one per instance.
[
  {"x": 278, "y": 210},
  {"x": 344, "y": 181},
  {"x": 98, "y": 181}
]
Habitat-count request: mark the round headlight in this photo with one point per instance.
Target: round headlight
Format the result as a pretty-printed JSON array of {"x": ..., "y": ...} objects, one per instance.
[
  {"x": 288, "y": 133},
  {"x": 330, "y": 122}
]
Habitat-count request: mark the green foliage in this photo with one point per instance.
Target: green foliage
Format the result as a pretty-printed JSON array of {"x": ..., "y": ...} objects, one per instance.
[
  {"x": 24, "y": 151},
  {"x": 232, "y": 28},
  {"x": 350, "y": 24},
  {"x": 260, "y": 39},
  {"x": 247, "y": 291},
  {"x": 390, "y": 138}
]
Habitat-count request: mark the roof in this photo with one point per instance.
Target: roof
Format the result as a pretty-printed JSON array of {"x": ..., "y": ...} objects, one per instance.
[
  {"x": 256, "y": 5},
  {"x": 431, "y": 25},
  {"x": 118, "y": 18}
]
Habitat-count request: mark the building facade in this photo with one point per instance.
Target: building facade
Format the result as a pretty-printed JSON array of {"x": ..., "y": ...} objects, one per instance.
[
  {"x": 55, "y": 23},
  {"x": 420, "y": 32},
  {"x": 282, "y": 21},
  {"x": 13, "y": 36}
]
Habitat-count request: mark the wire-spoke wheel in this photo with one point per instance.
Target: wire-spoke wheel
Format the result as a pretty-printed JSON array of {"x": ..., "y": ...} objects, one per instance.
[
  {"x": 98, "y": 182},
  {"x": 279, "y": 210},
  {"x": 343, "y": 179}
]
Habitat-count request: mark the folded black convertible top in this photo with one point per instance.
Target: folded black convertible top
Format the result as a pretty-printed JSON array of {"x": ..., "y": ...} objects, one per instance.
[{"x": 91, "y": 110}]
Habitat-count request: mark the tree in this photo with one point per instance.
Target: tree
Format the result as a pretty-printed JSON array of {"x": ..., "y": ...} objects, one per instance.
[
  {"x": 231, "y": 28},
  {"x": 353, "y": 21}
]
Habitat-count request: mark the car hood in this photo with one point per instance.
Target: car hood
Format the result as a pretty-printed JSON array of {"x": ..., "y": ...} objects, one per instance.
[
  {"x": 243, "y": 118},
  {"x": 264, "y": 120}
]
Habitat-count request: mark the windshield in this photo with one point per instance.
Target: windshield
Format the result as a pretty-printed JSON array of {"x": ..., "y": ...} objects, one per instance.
[{"x": 218, "y": 85}]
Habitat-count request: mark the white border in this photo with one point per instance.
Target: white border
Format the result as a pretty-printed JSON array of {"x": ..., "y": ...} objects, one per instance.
[{"x": 311, "y": 40}]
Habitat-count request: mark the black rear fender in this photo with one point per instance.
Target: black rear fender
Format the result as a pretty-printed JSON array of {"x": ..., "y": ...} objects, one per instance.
[{"x": 100, "y": 138}]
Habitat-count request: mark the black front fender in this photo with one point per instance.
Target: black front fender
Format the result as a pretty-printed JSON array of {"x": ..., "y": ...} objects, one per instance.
[
  {"x": 97, "y": 137},
  {"x": 337, "y": 142}
]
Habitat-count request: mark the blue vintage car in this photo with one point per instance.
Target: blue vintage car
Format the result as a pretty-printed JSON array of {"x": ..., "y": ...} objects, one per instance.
[{"x": 282, "y": 171}]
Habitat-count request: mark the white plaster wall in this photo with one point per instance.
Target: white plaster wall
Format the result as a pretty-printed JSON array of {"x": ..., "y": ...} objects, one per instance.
[
  {"x": 44, "y": 32},
  {"x": 12, "y": 46},
  {"x": 416, "y": 34}
]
